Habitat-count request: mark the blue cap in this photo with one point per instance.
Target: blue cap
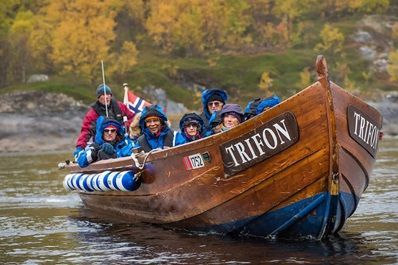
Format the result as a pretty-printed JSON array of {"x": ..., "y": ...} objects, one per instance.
[{"x": 100, "y": 90}]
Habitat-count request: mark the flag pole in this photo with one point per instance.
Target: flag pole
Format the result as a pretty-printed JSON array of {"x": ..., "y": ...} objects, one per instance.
[
  {"x": 125, "y": 101},
  {"x": 103, "y": 82}
]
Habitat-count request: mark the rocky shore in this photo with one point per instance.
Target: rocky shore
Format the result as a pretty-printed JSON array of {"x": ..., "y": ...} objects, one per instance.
[{"x": 41, "y": 121}]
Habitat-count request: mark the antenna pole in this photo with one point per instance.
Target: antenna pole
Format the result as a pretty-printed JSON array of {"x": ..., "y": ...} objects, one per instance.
[{"x": 103, "y": 82}]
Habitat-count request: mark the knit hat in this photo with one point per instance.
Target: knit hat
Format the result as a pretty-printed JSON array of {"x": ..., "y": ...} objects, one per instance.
[
  {"x": 216, "y": 96},
  {"x": 153, "y": 110},
  {"x": 100, "y": 90},
  {"x": 233, "y": 109},
  {"x": 110, "y": 126},
  {"x": 191, "y": 118}
]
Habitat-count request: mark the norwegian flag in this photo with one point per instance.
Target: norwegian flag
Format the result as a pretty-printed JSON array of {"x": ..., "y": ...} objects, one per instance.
[{"x": 133, "y": 102}]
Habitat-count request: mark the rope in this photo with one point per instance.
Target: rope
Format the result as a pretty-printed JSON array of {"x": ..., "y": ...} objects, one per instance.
[{"x": 137, "y": 163}]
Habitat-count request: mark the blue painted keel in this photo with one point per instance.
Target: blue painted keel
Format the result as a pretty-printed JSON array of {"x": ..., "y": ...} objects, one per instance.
[{"x": 314, "y": 217}]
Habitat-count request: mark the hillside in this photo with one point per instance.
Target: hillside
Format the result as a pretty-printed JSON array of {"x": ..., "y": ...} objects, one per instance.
[
  {"x": 268, "y": 50},
  {"x": 249, "y": 48}
]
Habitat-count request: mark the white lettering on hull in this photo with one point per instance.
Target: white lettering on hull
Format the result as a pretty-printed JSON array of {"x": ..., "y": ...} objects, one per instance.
[
  {"x": 265, "y": 141},
  {"x": 363, "y": 129},
  {"x": 367, "y": 132}
]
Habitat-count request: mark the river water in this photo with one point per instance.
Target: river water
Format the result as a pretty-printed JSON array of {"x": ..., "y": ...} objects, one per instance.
[{"x": 41, "y": 223}]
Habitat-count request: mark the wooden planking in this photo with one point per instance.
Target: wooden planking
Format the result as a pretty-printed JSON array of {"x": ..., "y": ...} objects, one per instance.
[
  {"x": 354, "y": 174},
  {"x": 304, "y": 178},
  {"x": 171, "y": 193},
  {"x": 341, "y": 101},
  {"x": 185, "y": 202}
]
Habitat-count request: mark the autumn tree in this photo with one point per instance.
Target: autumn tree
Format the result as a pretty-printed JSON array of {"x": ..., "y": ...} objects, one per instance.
[
  {"x": 288, "y": 10},
  {"x": 123, "y": 61},
  {"x": 265, "y": 83},
  {"x": 196, "y": 25},
  {"x": 5, "y": 23},
  {"x": 15, "y": 26},
  {"x": 83, "y": 35},
  {"x": 331, "y": 40},
  {"x": 305, "y": 78},
  {"x": 19, "y": 34},
  {"x": 130, "y": 21},
  {"x": 175, "y": 24},
  {"x": 76, "y": 35}
]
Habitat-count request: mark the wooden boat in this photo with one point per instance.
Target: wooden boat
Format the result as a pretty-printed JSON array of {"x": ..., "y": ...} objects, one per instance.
[{"x": 297, "y": 170}]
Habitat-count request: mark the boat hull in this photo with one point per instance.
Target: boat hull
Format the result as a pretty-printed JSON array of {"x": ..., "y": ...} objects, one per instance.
[{"x": 296, "y": 170}]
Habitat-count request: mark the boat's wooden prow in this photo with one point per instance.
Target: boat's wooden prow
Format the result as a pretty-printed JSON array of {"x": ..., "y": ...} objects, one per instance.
[{"x": 321, "y": 68}]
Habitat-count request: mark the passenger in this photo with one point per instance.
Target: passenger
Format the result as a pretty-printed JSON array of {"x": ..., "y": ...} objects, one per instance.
[
  {"x": 108, "y": 143},
  {"x": 155, "y": 129},
  {"x": 116, "y": 110},
  {"x": 259, "y": 105},
  {"x": 215, "y": 124},
  {"x": 231, "y": 116},
  {"x": 212, "y": 100},
  {"x": 191, "y": 126}
]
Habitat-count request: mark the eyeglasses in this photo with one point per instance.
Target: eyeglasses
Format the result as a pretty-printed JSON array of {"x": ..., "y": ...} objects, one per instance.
[
  {"x": 215, "y": 103},
  {"x": 193, "y": 125},
  {"x": 148, "y": 121},
  {"x": 110, "y": 130}
]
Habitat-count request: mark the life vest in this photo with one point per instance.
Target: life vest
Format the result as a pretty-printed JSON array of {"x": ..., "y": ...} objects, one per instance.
[
  {"x": 169, "y": 141},
  {"x": 114, "y": 110}
]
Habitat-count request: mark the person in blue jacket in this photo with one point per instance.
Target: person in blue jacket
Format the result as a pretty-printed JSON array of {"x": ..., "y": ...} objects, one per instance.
[
  {"x": 191, "y": 126},
  {"x": 259, "y": 105},
  {"x": 109, "y": 142},
  {"x": 215, "y": 124},
  {"x": 155, "y": 131},
  {"x": 212, "y": 100}
]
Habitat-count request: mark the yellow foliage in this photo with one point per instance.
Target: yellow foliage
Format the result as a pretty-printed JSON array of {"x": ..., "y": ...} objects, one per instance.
[
  {"x": 136, "y": 9},
  {"x": 196, "y": 25},
  {"x": 82, "y": 34},
  {"x": 265, "y": 83},
  {"x": 288, "y": 8},
  {"x": 305, "y": 78},
  {"x": 332, "y": 40},
  {"x": 392, "y": 67},
  {"x": 122, "y": 62},
  {"x": 23, "y": 23}
]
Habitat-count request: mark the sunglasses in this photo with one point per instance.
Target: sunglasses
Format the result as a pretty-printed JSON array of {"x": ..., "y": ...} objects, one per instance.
[
  {"x": 214, "y": 103},
  {"x": 152, "y": 121},
  {"x": 110, "y": 130},
  {"x": 193, "y": 125}
]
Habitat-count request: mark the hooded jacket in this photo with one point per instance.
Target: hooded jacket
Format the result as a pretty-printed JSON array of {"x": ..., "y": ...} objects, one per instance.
[
  {"x": 166, "y": 136},
  {"x": 188, "y": 118},
  {"x": 206, "y": 95},
  {"x": 122, "y": 146},
  {"x": 235, "y": 109}
]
